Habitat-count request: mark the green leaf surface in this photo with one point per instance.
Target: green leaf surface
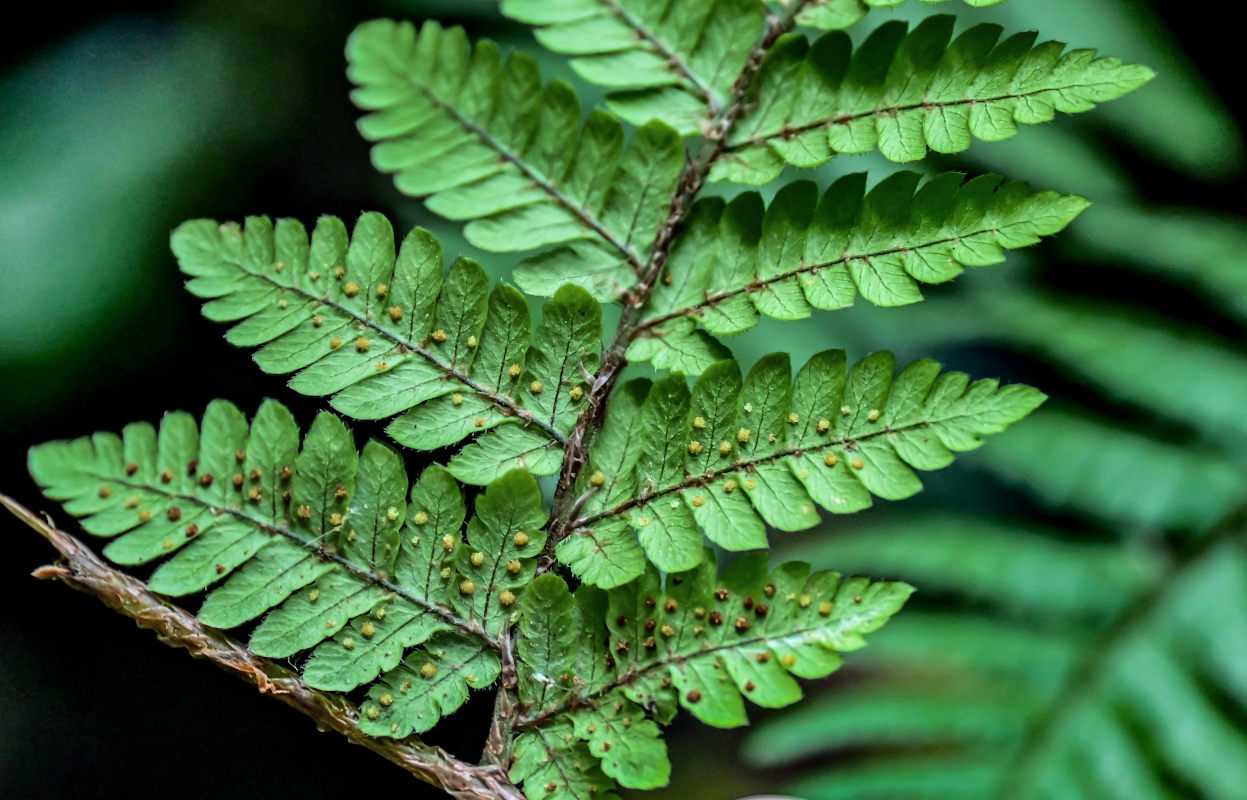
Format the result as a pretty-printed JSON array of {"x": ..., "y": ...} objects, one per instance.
[
  {"x": 675, "y": 61},
  {"x": 552, "y": 764},
  {"x": 735, "y": 263},
  {"x": 988, "y": 562},
  {"x": 696, "y": 640},
  {"x": 834, "y": 15},
  {"x": 704, "y": 641},
  {"x": 322, "y": 545},
  {"x": 386, "y": 333},
  {"x": 549, "y": 636},
  {"x": 772, "y": 448},
  {"x": 907, "y": 92},
  {"x": 490, "y": 146},
  {"x": 1095, "y": 467},
  {"x": 431, "y": 683},
  {"x": 504, "y": 539},
  {"x": 1134, "y": 357},
  {"x": 1018, "y": 696},
  {"x": 506, "y": 448}
]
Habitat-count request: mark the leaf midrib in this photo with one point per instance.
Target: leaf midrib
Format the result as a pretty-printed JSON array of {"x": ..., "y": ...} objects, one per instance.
[
  {"x": 631, "y": 676},
  {"x": 675, "y": 61},
  {"x": 888, "y": 111},
  {"x": 1085, "y": 679}
]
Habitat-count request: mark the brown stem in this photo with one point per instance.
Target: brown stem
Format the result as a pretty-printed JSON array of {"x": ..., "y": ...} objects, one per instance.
[
  {"x": 506, "y": 708},
  {"x": 83, "y": 570},
  {"x": 691, "y": 183}
]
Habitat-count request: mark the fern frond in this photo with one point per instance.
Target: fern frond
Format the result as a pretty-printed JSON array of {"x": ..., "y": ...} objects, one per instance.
[
  {"x": 984, "y": 562},
  {"x": 699, "y": 641},
  {"x": 489, "y": 145},
  {"x": 1078, "y": 463},
  {"x": 1190, "y": 247},
  {"x": 831, "y": 15},
  {"x": 1134, "y": 357},
  {"x": 735, "y": 263},
  {"x": 731, "y": 454},
  {"x": 1129, "y": 700},
  {"x": 387, "y": 333},
  {"x": 321, "y": 542},
  {"x": 675, "y": 61},
  {"x": 906, "y": 93}
]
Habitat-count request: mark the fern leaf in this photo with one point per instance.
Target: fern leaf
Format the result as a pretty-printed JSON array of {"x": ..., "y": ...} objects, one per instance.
[
  {"x": 906, "y": 93},
  {"x": 700, "y": 641},
  {"x": 1202, "y": 250},
  {"x": 608, "y": 553},
  {"x": 322, "y": 543},
  {"x": 831, "y": 15},
  {"x": 735, "y": 263},
  {"x": 983, "y": 563},
  {"x": 431, "y": 683},
  {"x": 552, "y": 764},
  {"x": 510, "y": 447},
  {"x": 550, "y": 633},
  {"x": 489, "y": 145},
  {"x": 674, "y": 61},
  {"x": 778, "y": 447},
  {"x": 629, "y": 747},
  {"x": 1134, "y": 357},
  {"x": 504, "y": 540},
  {"x": 1078, "y": 463},
  {"x": 386, "y": 334},
  {"x": 1017, "y": 698}
]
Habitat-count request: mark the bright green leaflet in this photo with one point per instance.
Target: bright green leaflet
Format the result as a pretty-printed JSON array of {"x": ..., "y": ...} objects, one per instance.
[
  {"x": 1007, "y": 691},
  {"x": 672, "y": 60},
  {"x": 696, "y": 641},
  {"x": 776, "y": 447},
  {"x": 386, "y": 333},
  {"x": 838, "y": 14},
  {"x": 260, "y": 524},
  {"x": 511, "y": 158},
  {"x": 905, "y": 93},
  {"x": 736, "y": 263}
]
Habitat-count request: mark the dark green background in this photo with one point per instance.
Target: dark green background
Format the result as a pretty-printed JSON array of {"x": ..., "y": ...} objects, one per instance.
[{"x": 118, "y": 124}]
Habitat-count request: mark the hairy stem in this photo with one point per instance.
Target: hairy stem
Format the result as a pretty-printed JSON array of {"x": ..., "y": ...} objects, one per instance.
[
  {"x": 506, "y": 709},
  {"x": 691, "y": 183},
  {"x": 81, "y": 569}
]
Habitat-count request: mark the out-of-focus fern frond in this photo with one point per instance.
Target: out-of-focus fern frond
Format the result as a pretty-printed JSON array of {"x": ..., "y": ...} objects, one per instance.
[{"x": 1097, "y": 672}]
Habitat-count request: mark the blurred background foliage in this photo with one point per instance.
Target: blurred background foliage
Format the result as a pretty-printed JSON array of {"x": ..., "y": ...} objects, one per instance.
[{"x": 1081, "y": 623}]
